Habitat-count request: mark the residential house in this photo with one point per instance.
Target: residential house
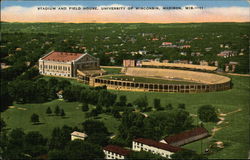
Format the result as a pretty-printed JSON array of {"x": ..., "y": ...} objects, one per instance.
[{"x": 78, "y": 135}]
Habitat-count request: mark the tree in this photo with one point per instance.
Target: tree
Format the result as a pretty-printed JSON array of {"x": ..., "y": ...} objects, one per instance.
[
  {"x": 63, "y": 84},
  {"x": 48, "y": 111},
  {"x": 60, "y": 137},
  {"x": 85, "y": 107},
  {"x": 98, "y": 138},
  {"x": 5, "y": 98},
  {"x": 167, "y": 122},
  {"x": 182, "y": 106},
  {"x": 35, "y": 144},
  {"x": 123, "y": 100},
  {"x": 62, "y": 114},
  {"x": 157, "y": 104},
  {"x": 34, "y": 118},
  {"x": 79, "y": 149},
  {"x": 141, "y": 103},
  {"x": 116, "y": 113},
  {"x": 22, "y": 91},
  {"x": 207, "y": 113},
  {"x": 106, "y": 98},
  {"x": 131, "y": 125},
  {"x": 34, "y": 138},
  {"x": 187, "y": 154},
  {"x": 57, "y": 110},
  {"x": 169, "y": 106},
  {"x": 15, "y": 145},
  {"x": 94, "y": 126},
  {"x": 2, "y": 124},
  {"x": 57, "y": 154}
]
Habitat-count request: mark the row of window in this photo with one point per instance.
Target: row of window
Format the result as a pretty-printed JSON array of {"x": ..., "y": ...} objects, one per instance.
[
  {"x": 64, "y": 68},
  {"x": 148, "y": 150},
  {"x": 65, "y": 75},
  {"x": 110, "y": 154}
]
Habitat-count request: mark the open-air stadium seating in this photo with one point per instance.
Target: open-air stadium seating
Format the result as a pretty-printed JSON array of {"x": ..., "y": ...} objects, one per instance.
[{"x": 200, "y": 77}]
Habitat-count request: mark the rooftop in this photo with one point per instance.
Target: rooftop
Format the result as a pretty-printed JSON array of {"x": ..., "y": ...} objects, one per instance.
[
  {"x": 158, "y": 144},
  {"x": 79, "y": 134},
  {"x": 117, "y": 149},
  {"x": 62, "y": 56},
  {"x": 185, "y": 135}
]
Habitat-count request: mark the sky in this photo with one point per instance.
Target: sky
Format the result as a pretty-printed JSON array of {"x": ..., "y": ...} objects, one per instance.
[{"x": 213, "y": 11}]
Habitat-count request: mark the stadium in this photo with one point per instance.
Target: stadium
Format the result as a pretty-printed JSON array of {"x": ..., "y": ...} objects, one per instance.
[{"x": 161, "y": 80}]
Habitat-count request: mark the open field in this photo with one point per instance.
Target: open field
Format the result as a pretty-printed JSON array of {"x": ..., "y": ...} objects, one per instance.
[
  {"x": 112, "y": 70},
  {"x": 74, "y": 117},
  {"x": 145, "y": 79},
  {"x": 232, "y": 104}
]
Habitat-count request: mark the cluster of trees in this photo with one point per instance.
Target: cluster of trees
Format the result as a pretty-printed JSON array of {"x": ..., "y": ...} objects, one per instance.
[
  {"x": 134, "y": 125},
  {"x": 40, "y": 90},
  {"x": 94, "y": 96},
  {"x": 18, "y": 145},
  {"x": 57, "y": 111},
  {"x": 207, "y": 113},
  {"x": 61, "y": 146},
  {"x": 32, "y": 145}
]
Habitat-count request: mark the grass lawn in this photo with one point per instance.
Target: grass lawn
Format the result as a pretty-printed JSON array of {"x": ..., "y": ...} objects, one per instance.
[
  {"x": 233, "y": 132},
  {"x": 112, "y": 70},
  {"x": 145, "y": 80},
  {"x": 74, "y": 117}
]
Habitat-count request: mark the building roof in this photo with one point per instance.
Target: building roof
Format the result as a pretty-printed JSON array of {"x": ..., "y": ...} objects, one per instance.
[
  {"x": 79, "y": 134},
  {"x": 166, "y": 43},
  {"x": 117, "y": 149},
  {"x": 62, "y": 56},
  {"x": 159, "y": 145},
  {"x": 185, "y": 135}
]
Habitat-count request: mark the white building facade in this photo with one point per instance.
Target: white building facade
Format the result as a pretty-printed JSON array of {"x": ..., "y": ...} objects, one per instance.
[
  {"x": 78, "y": 135},
  {"x": 66, "y": 64},
  {"x": 154, "y": 147},
  {"x": 115, "y": 152}
]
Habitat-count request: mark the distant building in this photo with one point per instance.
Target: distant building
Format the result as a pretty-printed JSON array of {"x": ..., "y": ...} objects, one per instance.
[
  {"x": 78, "y": 135},
  {"x": 204, "y": 63},
  {"x": 208, "y": 49},
  {"x": 66, "y": 64},
  {"x": 186, "y": 137},
  {"x": 129, "y": 63},
  {"x": 181, "y": 61},
  {"x": 115, "y": 152},
  {"x": 148, "y": 145},
  {"x": 183, "y": 53},
  {"x": 226, "y": 54},
  {"x": 142, "y": 52},
  {"x": 231, "y": 66},
  {"x": 182, "y": 40},
  {"x": 165, "y": 61},
  {"x": 18, "y": 49},
  {"x": 166, "y": 43},
  {"x": 186, "y": 46}
]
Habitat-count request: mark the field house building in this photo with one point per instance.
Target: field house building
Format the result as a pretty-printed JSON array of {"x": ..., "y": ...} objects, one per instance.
[{"x": 65, "y": 64}]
